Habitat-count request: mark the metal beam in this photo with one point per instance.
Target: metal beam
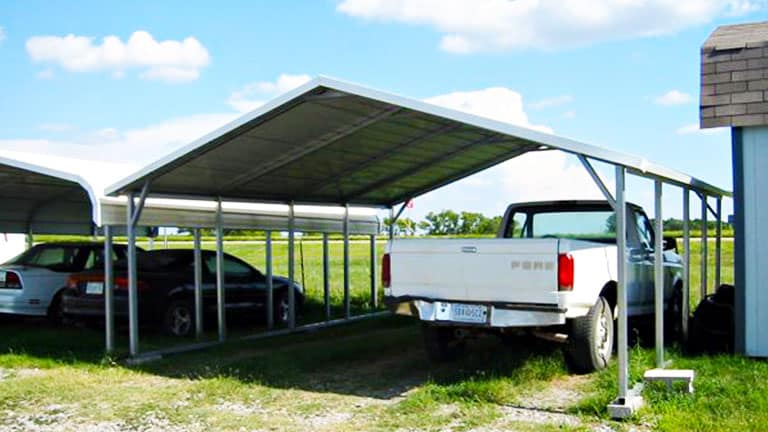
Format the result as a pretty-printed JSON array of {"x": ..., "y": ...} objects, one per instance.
[
  {"x": 487, "y": 139},
  {"x": 598, "y": 181},
  {"x": 198, "y": 263},
  {"x": 291, "y": 265},
  {"x": 388, "y": 152},
  {"x": 622, "y": 280},
  {"x": 220, "y": 293},
  {"x": 658, "y": 272},
  {"x": 392, "y": 222},
  {"x": 270, "y": 284},
  {"x": 133, "y": 311},
  {"x": 326, "y": 278},
  {"x": 267, "y": 168},
  {"x": 109, "y": 290},
  {"x": 704, "y": 247},
  {"x": 347, "y": 310},
  {"x": 473, "y": 170},
  {"x": 374, "y": 293},
  {"x": 686, "y": 260},
  {"x": 140, "y": 205},
  {"x": 718, "y": 241}
]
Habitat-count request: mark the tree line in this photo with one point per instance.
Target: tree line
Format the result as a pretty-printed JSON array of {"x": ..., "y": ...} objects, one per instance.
[{"x": 447, "y": 222}]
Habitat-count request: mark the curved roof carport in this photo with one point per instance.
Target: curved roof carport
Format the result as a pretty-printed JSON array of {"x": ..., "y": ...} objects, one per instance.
[
  {"x": 37, "y": 199},
  {"x": 331, "y": 142}
]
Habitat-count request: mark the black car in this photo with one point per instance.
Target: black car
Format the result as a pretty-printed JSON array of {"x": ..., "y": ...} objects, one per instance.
[{"x": 166, "y": 291}]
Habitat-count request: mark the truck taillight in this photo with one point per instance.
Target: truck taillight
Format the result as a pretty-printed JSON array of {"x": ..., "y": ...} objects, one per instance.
[
  {"x": 565, "y": 272},
  {"x": 386, "y": 275}
]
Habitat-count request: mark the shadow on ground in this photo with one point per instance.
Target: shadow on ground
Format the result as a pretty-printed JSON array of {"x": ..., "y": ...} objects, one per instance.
[{"x": 381, "y": 358}]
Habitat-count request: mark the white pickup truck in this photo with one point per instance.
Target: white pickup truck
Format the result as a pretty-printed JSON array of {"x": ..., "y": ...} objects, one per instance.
[{"x": 551, "y": 271}]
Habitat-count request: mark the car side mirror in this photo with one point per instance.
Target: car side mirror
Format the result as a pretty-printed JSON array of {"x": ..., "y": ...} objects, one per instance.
[{"x": 670, "y": 243}]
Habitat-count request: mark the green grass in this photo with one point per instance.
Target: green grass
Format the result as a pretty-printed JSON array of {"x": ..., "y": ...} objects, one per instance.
[{"x": 365, "y": 376}]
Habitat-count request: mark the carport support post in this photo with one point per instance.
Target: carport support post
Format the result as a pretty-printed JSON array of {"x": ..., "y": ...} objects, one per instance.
[
  {"x": 270, "y": 292},
  {"x": 291, "y": 264},
  {"x": 326, "y": 279},
  {"x": 391, "y": 223},
  {"x": 621, "y": 292},
  {"x": 686, "y": 260},
  {"x": 718, "y": 240},
  {"x": 374, "y": 297},
  {"x": 198, "y": 284},
  {"x": 109, "y": 305},
  {"x": 347, "y": 311},
  {"x": 704, "y": 245},
  {"x": 133, "y": 313},
  {"x": 658, "y": 271},
  {"x": 222, "y": 321}
]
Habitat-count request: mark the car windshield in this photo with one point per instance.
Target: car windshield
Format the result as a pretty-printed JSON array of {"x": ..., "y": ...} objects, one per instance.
[{"x": 588, "y": 225}]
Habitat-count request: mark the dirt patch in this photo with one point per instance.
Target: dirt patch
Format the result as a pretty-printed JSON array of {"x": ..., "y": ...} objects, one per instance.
[{"x": 559, "y": 395}]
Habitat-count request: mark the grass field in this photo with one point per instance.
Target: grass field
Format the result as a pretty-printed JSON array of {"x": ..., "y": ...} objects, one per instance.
[{"x": 365, "y": 376}]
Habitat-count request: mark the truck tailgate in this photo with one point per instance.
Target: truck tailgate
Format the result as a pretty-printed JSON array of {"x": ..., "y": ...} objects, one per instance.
[{"x": 476, "y": 270}]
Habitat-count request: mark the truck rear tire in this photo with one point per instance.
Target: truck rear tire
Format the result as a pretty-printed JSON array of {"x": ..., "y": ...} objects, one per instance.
[
  {"x": 590, "y": 343},
  {"x": 441, "y": 343}
]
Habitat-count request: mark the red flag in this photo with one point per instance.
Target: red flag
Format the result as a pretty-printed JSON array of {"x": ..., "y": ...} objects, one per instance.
[{"x": 409, "y": 204}]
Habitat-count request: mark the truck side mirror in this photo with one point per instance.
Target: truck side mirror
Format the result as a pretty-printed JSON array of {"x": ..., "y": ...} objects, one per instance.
[{"x": 670, "y": 243}]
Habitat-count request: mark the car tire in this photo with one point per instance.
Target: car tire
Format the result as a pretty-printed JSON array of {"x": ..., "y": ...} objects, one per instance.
[
  {"x": 281, "y": 308},
  {"x": 55, "y": 313},
  {"x": 441, "y": 343},
  {"x": 673, "y": 317},
  {"x": 590, "y": 342},
  {"x": 179, "y": 318}
]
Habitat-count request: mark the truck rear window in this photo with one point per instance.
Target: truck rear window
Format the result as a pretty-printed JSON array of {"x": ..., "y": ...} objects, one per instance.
[{"x": 587, "y": 225}]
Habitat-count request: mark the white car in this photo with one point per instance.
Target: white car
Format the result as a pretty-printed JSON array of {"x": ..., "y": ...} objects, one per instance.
[
  {"x": 32, "y": 283},
  {"x": 551, "y": 271}
]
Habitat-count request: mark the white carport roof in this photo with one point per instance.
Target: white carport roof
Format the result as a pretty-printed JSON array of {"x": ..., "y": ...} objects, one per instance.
[
  {"x": 333, "y": 142},
  {"x": 42, "y": 200},
  {"x": 37, "y": 199}
]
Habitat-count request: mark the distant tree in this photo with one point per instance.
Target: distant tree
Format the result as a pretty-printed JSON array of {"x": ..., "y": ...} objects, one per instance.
[
  {"x": 403, "y": 226},
  {"x": 445, "y": 222},
  {"x": 490, "y": 225}
]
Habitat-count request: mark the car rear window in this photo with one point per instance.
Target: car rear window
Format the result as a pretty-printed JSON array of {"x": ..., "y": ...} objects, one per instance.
[{"x": 59, "y": 258}]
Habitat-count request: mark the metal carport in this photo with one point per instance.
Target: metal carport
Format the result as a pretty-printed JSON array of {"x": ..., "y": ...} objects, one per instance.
[
  {"x": 37, "y": 199},
  {"x": 334, "y": 143}
]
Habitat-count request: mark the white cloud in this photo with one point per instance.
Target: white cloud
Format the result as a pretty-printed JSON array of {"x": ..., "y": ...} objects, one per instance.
[
  {"x": 552, "y": 102},
  {"x": 169, "y": 60},
  {"x": 531, "y": 177},
  {"x": 253, "y": 95},
  {"x": 134, "y": 147},
  {"x": 497, "y": 25},
  {"x": 673, "y": 97},
  {"x": 693, "y": 128},
  {"x": 496, "y": 103}
]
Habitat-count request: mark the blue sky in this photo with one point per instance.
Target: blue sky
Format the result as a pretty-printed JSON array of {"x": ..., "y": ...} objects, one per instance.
[{"x": 620, "y": 74}]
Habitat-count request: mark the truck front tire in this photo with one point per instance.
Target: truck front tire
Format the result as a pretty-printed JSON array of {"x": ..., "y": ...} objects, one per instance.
[
  {"x": 441, "y": 343},
  {"x": 590, "y": 342}
]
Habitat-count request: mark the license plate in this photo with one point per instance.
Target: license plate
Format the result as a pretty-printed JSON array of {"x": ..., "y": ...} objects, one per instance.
[
  {"x": 469, "y": 313},
  {"x": 94, "y": 288}
]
